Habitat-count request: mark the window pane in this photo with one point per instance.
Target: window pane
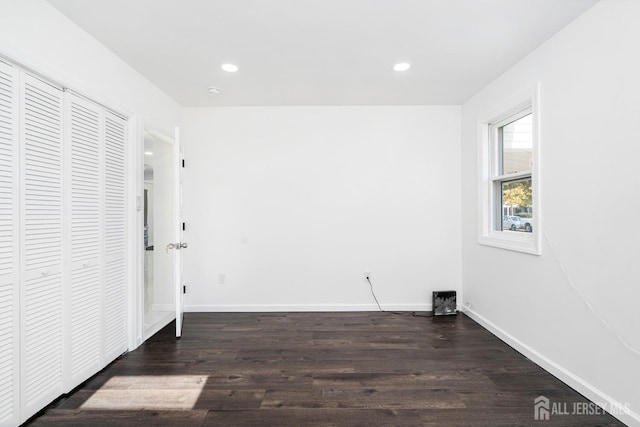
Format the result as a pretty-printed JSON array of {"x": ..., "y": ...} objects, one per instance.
[
  {"x": 517, "y": 145},
  {"x": 517, "y": 209}
]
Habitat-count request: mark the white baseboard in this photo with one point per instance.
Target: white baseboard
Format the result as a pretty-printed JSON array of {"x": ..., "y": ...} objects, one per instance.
[
  {"x": 264, "y": 308},
  {"x": 588, "y": 390}
]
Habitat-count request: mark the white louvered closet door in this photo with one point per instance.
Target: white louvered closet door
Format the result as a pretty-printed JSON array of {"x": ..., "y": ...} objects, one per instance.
[
  {"x": 63, "y": 242},
  {"x": 83, "y": 200},
  {"x": 41, "y": 244},
  {"x": 115, "y": 239},
  {"x": 9, "y": 249}
]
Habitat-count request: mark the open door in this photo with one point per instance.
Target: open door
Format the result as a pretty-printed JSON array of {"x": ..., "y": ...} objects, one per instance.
[
  {"x": 178, "y": 279},
  {"x": 163, "y": 293}
]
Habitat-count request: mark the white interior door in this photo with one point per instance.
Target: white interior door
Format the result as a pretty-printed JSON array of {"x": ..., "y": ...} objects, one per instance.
[
  {"x": 41, "y": 235},
  {"x": 84, "y": 146},
  {"x": 62, "y": 241},
  {"x": 178, "y": 279},
  {"x": 10, "y": 248},
  {"x": 162, "y": 232}
]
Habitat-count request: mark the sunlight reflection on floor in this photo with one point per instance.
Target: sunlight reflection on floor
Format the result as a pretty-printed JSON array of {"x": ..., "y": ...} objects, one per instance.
[{"x": 157, "y": 392}]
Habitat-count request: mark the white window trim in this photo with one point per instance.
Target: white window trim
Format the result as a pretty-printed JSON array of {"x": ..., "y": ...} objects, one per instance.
[{"x": 487, "y": 234}]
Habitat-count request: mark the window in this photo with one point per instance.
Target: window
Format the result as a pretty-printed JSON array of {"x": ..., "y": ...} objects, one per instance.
[
  {"x": 512, "y": 141},
  {"x": 509, "y": 176}
]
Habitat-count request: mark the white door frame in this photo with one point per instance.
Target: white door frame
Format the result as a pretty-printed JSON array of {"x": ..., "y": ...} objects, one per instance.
[{"x": 135, "y": 233}]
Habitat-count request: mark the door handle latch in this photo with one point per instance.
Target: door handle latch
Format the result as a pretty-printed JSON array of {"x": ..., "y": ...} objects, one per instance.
[{"x": 177, "y": 246}]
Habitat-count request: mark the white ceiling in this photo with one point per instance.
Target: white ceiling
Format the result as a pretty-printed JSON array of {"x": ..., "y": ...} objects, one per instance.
[{"x": 321, "y": 52}]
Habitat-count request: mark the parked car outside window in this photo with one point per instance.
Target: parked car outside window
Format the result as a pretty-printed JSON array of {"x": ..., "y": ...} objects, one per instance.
[
  {"x": 515, "y": 222},
  {"x": 511, "y": 222},
  {"x": 527, "y": 224}
]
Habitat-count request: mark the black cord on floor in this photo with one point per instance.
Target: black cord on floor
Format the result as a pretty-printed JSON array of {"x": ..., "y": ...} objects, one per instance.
[
  {"x": 401, "y": 313},
  {"x": 374, "y": 294}
]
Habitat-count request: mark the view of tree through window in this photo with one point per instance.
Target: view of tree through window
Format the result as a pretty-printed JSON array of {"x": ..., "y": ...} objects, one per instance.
[
  {"x": 517, "y": 205},
  {"x": 516, "y": 196}
]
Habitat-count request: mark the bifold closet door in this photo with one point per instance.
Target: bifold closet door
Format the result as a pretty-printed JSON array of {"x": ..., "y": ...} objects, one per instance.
[
  {"x": 9, "y": 249},
  {"x": 83, "y": 273},
  {"x": 115, "y": 238},
  {"x": 63, "y": 242},
  {"x": 41, "y": 230},
  {"x": 96, "y": 245}
]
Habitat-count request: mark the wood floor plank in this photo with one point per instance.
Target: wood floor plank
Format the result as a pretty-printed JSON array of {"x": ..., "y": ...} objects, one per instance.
[
  {"x": 313, "y": 418},
  {"x": 79, "y": 418},
  {"x": 318, "y": 369},
  {"x": 365, "y": 398}
]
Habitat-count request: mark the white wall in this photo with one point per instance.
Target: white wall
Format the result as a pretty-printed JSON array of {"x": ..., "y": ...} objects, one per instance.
[
  {"x": 38, "y": 36},
  {"x": 294, "y": 204},
  {"x": 590, "y": 145}
]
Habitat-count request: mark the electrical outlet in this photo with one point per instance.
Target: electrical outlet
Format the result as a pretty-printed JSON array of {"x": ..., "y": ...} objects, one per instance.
[
  {"x": 222, "y": 278},
  {"x": 367, "y": 275}
]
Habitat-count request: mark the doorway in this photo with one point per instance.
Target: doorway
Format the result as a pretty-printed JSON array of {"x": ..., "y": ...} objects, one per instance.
[{"x": 159, "y": 228}]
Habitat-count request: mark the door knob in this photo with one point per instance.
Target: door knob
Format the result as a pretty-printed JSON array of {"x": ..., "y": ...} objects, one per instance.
[{"x": 177, "y": 246}]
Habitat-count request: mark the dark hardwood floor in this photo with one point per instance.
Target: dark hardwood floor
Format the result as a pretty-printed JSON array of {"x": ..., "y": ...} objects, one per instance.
[{"x": 319, "y": 369}]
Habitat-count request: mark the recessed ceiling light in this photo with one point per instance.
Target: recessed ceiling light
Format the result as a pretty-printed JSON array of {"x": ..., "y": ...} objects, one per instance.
[
  {"x": 214, "y": 90},
  {"x": 231, "y": 68},
  {"x": 402, "y": 66},
  {"x": 148, "y": 153}
]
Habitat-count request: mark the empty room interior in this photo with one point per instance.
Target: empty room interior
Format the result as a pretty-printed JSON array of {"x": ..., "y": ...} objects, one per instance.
[{"x": 336, "y": 212}]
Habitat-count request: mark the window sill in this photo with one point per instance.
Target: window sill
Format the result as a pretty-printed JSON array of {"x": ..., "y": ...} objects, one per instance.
[{"x": 513, "y": 241}]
